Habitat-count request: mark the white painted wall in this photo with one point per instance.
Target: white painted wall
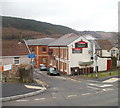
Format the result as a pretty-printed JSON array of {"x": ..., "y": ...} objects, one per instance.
[
  {"x": 106, "y": 53},
  {"x": 10, "y": 60},
  {"x": 116, "y": 52},
  {"x": 118, "y": 63},
  {"x": 85, "y": 56},
  {"x": 101, "y": 63}
]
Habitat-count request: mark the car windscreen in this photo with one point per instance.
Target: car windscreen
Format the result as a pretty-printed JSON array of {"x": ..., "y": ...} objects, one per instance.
[{"x": 52, "y": 69}]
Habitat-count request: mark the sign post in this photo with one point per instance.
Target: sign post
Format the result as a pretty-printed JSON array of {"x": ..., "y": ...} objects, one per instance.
[{"x": 96, "y": 68}]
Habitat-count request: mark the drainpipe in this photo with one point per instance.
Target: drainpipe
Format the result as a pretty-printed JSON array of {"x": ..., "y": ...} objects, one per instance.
[{"x": 59, "y": 60}]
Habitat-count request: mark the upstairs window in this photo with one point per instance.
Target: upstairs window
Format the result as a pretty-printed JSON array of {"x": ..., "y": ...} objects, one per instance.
[{"x": 43, "y": 49}]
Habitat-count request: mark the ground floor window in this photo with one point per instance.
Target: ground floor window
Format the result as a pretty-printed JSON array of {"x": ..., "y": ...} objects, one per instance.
[
  {"x": 16, "y": 60},
  {"x": 44, "y": 60}
]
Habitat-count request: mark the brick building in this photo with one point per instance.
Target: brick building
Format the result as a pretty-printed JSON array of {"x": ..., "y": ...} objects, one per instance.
[{"x": 40, "y": 47}]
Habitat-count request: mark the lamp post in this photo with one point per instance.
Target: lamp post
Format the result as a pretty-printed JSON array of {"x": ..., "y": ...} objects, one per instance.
[{"x": 96, "y": 70}]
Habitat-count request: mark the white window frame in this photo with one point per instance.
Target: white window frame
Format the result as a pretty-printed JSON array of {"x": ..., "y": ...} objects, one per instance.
[
  {"x": 43, "y": 60},
  {"x": 16, "y": 58}
]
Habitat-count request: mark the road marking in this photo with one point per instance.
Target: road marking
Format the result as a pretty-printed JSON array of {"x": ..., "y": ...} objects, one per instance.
[
  {"x": 55, "y": 88},
  {"x": 33, "y": 87},
  {"x": 54, "y": 97},
  {"x": 86, "y": 94},
  {"x": 22, "y": 100},
  {"x": 38, "y": 81},
  {"x": 104, "y": 85},
  {"x": 71, "y": 96},
  {"x": 107, "y": 89},
  {"x": 93, "y": 87},
  {"x": 111, "y": 80},
  {"x": 39, "y": 99}
]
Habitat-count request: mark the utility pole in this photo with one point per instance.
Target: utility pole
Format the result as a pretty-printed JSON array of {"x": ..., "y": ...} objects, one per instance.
[{"x": 96, "y": 70}]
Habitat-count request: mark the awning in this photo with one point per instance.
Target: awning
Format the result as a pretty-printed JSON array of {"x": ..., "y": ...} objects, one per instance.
[{"x": 86, "y": 63}]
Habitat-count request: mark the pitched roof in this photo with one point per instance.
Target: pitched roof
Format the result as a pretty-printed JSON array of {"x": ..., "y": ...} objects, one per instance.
[
  {"x": 103, "y": 44},
  {"x": 65, "y": 40},
  {"x": 42, "y": 41},
  {"x": 12, "y": 48}
]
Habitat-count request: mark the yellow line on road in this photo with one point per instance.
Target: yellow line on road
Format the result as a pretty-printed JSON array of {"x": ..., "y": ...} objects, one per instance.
[
  {"x": 111, "y": 80},
  {"x": 33, "y": 87},
  {"x": 43, "y": 83}
]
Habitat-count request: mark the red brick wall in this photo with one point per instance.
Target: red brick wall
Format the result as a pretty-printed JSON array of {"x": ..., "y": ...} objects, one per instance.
[{"x": 39, "y": 53}]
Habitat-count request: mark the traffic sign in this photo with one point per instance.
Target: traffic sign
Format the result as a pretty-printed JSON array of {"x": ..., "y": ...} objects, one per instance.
[{"x": 31, "y": 55}]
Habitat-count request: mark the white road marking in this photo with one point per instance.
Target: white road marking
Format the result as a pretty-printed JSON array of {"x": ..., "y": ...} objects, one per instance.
[
  {"x": 93, "y": 87},
  {"x": 33, "y": 87},
  {"x": 104, "y": 85},
  {"x": 107, "y": 89},
  {"x": 54, "y": 97},
  {"x": 111, "y": 80},
  {"x": 86, "y": 94},
  {"x": 39, "y": 99},
  {"x": 71, "y": 96},
  {"x": 55, "y": 88},
  {"x": 21, "y": 100}
]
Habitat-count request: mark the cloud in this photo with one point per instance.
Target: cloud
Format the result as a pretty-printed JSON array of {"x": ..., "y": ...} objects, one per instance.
[{"x": 77, "y": 14}]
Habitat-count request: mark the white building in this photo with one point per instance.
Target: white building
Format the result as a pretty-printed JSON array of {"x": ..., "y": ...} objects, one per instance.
[{"x": 73, "y": 53}]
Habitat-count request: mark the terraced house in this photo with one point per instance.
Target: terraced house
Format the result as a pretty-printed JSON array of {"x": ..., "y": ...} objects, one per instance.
[
  {"x": 14, "y": 52},
  {"x": 76, "y": 54}
]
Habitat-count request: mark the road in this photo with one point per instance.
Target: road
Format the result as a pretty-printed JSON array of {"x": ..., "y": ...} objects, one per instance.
[{"x": 66, "y": 92}]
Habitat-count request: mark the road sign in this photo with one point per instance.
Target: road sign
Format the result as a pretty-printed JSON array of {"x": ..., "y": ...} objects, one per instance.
[
  {"x": 31, "y": 55},
  {"x": 7, "y": 67}
]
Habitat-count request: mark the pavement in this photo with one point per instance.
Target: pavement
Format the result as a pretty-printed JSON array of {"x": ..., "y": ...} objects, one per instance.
[{"x": 12, "y": 91}]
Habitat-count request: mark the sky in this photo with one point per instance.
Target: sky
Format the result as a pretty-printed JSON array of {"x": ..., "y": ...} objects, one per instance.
[{"x": 94, "y": 15}]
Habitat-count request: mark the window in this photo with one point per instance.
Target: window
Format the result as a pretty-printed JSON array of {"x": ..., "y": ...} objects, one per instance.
[
  {"x": 113, "y": 52},
  {"x": 76, "y": 50},
  {"x": 54, "y": 63},
  {"x": 43, "y": 49},
  {"x": 44, "y": 60},
  {"x": 16, "y": 60}
]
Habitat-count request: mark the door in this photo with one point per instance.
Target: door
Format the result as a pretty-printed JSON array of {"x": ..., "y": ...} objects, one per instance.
[{"x": 108, "y": 64}]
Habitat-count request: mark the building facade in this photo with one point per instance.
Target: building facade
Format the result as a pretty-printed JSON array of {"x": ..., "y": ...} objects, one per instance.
[
  {"x": 76, "y": 54},
  {"x": 40, "y": 48},
  {"x": 14, "y": 52}
]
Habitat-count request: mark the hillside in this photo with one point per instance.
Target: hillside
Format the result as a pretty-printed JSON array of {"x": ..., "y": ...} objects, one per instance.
[
  {"x": 12, "y": 27},
  {"x": 111, "y": 36}
]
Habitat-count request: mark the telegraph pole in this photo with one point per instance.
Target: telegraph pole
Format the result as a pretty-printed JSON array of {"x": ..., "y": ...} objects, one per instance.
[{"x": 96, "y": 70}]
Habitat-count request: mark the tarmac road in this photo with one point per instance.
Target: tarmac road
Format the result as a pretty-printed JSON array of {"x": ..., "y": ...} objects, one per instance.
[{"x": 65, "y": 92}]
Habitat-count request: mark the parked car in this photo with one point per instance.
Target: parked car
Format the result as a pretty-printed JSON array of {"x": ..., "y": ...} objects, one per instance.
[
  {"x": 43, "y": 67},
  {"x": 52, "y": 71}
]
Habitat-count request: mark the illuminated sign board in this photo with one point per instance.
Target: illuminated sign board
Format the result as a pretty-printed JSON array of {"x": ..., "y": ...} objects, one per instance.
[{"x": 81, "y": 44}]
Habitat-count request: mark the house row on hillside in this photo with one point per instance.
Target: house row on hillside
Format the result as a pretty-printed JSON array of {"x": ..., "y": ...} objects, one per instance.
[{"x": 69, "y": 54}]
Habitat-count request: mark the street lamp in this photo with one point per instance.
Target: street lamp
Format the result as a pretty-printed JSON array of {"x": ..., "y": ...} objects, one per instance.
[{"x": 96, "y": 67}]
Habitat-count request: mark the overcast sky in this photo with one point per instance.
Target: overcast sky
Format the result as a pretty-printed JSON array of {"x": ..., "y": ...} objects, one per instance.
[{"x": 95, "y": 15}]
